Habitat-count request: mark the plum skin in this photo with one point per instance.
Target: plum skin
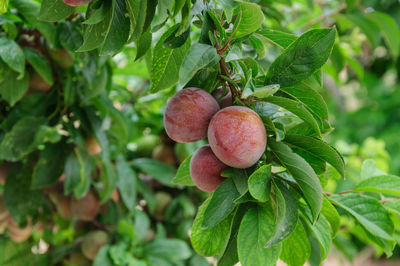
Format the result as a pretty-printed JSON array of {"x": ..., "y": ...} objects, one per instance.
[
  {"x": 206, "y": 169},
  {"x": 85, "y": 208},
  {"x": 223, "y": 97},
  {"x": 76, "y": 2},
  {"x": 237, "y": 136},
  {"x": 188, "y": 114}
]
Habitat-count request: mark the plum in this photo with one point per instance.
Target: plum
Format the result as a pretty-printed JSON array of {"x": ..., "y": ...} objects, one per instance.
[
  {"x": 62, "y": 203},
  {"x": 76, "y": 2},
  {"x": 37, "y": 83},
  {"x": 188, "y": 114},
  {"x": 62, "y": 57},
  {"x": 165, "y": 154},
  {"x": 206, "y": 169},
  {"x": 92, "y": 242},
  {"x": 237, "y": 136},
  {"x": 93, "y": 146},
  {"x": 85, "y": 208},
  {"x": 223, "y": 96},
  {"x": 18, "y": 234}
]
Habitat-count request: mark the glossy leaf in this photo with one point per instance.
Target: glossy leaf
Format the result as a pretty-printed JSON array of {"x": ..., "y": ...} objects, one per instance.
[
  {"x": 199, "y": 56},
  {"x": 368, "y": 211},
  {"x": 317, "y": 148},
  {"x": 386, "y": 184},
  {"x": 296, "y": 108},
  {"x": 303, "y": 174},
  {"x": 296, "y": 248},
  {"x": 12, "y": 55},
  {"x": 12, "y": 88},
  {"x": 256, "y": 229},
  {"x": 183, "y": 174},
  {"x": 54, "y": 10},
  {"x": 331, "y": 214},
  {"x": 310, "y": 97},
  {"x": 210, "y": 241},
  {"x": 166, "y": 63},
  {"x": 290, "y": 218},
  {"x": 302, "y": 58},
  {"x": 278, "y": 38},
  {"x": 251, "y": 18},
  {"x": 221, "y": 204},
  {"x": 260, "y": 183}
]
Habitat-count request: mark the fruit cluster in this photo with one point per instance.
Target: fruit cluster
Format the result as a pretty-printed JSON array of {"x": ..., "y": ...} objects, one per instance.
[{"x": 236, "y": 134}]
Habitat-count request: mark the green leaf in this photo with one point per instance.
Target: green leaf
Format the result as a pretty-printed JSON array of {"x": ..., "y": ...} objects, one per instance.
[
  {"x": 21, "y": 202},
  {"x": 221, "y": 203},
  {"x": 386, "y": 184},
  {"x": 183, "y": 174},
  {"x": 12, "y": 89},
  {"x": 230, "y": 256},
  {"x": 117, "y": 33},
  {"x": 102, "y": 258},
  {"x": 40, "y": 64},
  {"x": 174, "y": 41},
  {"x": 162, "y": 172},
  {"x": 296, "y": 108},
  {"x": 255, "y": 231},
  {"x": 111, "y": 33},
  {"x": 126, "y": 183},
  {"x": 3, "y": 6},
  {"x": 210, "y": 241},
  {"x": 303, "y": 174},
  {"x": 393, "y": 206},
  {"x": 310, "y": 97},
  {"x": 143, "y": 44},
  {"x": 166, "y": 63},
  {"x": 251, "y": 18},
  {"x": 171, "y": 249},
  {"x": 368, "y": 169},
  {"x": 78, "y": 168},
  {"x": 19, "y": 142},
  {"x": 260, "y": 183},
  {"x": 368, "y": 26},
  {"x": 96, "y": 15},
  {"x": 108, "y": 179},
  {"x": 278, "y": 38},
  {"x": 54, "y": 10},
  {"x": 389, "y": 29},
  {"x": 12, "y": 55},
  {"x": 264, "y": 91},
  {"x": 331, "y": 214},
  {"x": 290, "y": 217},
  {"x": 228, "y": 7},
  {"x": 296, "y": 249},
  {"x": 302, "y": 58},
  {"x": 94, "y": 35},
  {"x": 321, "y": 231},
  {"x": 50, "y": 166},
  {"x": 69, "y": 36},
  {"x": 368, "y": 211},
  {"x": 199, "y": 56},
  {"x": 30, "y": 11},
  {"x": 317, "y": 148}
]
